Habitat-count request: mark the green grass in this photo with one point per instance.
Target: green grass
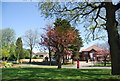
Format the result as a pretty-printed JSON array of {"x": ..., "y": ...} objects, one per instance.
[
  {"x": 101, "y": 65},
  {"x": 39, "y": 74}
]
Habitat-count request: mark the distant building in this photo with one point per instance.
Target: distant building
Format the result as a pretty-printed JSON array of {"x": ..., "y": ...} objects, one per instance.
[
  {"x": 41, "y": 54},
  {"x": 94, "y": 53}
]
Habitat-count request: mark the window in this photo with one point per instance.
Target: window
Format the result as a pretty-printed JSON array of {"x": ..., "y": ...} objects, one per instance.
[
  {"x": 36, "y": 55},
  {"x": 40, "y": 55},
  {"x": 85, "y": 53},
  {"x": 92, "y": 52}
]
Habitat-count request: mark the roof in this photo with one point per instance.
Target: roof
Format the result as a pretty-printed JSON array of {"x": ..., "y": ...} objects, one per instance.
[
  {"x": 96, "y": 48},
  {"x": 103, "y": 52},
  {"x": 40, "y": 53}
]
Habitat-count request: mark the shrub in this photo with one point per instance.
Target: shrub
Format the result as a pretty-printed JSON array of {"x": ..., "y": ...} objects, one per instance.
[
  {"x": 34, "y": 57},
  {"x": 15, "y": 63},
  {"x": 5, "y": 64}
]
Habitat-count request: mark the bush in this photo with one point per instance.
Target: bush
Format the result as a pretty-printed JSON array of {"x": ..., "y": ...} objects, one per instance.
[
  {"x": 5, "y": 64},
  {"x": 34, "y": 58},
  {"x": 15, "y": 63}
]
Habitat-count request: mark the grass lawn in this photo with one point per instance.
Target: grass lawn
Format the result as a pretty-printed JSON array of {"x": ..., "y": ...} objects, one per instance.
[
  {"x": 39, "y": 74},
  {"x": 101, "y": 65}
]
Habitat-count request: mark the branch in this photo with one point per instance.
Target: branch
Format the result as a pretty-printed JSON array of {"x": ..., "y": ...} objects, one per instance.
[
  {"x": 97, "y": 17},
  {"x": 65, "y": 9},
  {"x": 96, "y": 22},
  {"x": 88, "y": 12},
  {"x": 94, "y": 8},
  {"x": 117, "y": 6},
  {"x": 102, "y": 17}
]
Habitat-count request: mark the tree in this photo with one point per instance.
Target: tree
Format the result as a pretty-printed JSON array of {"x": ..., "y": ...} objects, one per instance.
[
  {"x": 7, "y": 37},
  {"x": 12, "y": 51},
  {"x": 26, "y": 53},
  {"x": 30, "y": 38},
  {"x": 59, "y": 38},
  {"x": 104, "y": 45},
  {"x": 105, "y": 54},
  {"x": 19, "y": 48},
  {"x": 73, "y": 11},
  {"x": 73, "y": 47},
  {"x": 5, "y": 54}
]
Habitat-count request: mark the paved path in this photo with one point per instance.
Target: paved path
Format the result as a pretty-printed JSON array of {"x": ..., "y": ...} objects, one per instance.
[
  {"x": 72, "y": 67},
  {"x": 88, "y": 67}
]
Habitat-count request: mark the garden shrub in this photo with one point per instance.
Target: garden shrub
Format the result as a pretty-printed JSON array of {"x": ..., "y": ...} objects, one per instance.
[{"x": 5, "y": 64}]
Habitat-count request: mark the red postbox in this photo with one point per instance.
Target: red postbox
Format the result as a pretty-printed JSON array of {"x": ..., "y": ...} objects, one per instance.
[{"x": 78, "y": 63}]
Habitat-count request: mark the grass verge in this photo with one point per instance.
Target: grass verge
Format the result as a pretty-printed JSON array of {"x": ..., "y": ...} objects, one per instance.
[{"x": 32, "y": 73}]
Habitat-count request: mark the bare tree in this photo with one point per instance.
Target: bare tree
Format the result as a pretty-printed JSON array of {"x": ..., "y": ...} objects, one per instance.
[
  {"x": 30, "y": 39},
  {"x": 104, "y": 45}
]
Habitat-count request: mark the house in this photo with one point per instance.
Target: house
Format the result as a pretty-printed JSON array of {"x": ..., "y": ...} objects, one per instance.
[
  {"x": 94, "y": 53},
  {"x": 41, "y": 54}
]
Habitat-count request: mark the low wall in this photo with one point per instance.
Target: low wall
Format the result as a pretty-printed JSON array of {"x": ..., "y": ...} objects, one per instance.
[{"x": 33, "y": 60}]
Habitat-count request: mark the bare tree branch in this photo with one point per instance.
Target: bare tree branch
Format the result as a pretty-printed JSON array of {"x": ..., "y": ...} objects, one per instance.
[
  {"x": 102, "y": 17},
  {"x": 117, "y": 6}
]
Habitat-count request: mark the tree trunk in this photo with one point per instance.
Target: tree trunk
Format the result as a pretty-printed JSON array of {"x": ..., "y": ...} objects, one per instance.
[
  {"x": 113, "y": 38},
  {"x": 63, "y": 60},
  {"x": 105, "y": 60},
  {"x": 18, "y": 57},
  {"x": 30, "y": 56},
  {"x": 59, "y": 61},
  {"x": 4, "y": 59},
  {"x": 72, "y": 61},
  {"x": 50, "y": 55}
]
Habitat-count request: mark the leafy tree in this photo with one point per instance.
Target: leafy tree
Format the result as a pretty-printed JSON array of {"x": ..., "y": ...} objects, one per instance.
[
  {"x": 30, "y": 38},
  {"x": 26, "y": 53},
  {"x": 105, "y": 54},
  {"x": 12, "y": 51},
  {"x": 5, "y": 54},
  {"x": 59, "y": 38},
  {"x": 74, "y": 11},
  {"x": 7, "y": 37},
  {"x": 73, "y": 47},
  {"x": 19, "y": 48}
]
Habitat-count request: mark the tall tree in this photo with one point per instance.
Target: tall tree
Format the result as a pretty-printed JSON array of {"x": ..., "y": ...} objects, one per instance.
[
  {"x": 12, "y": 51},
  {"x": 73, "y": 47},
  {"x": 7, "y": 36},
  {"x": 74, "y": 11},
  {"x": 19, "y": 48},
  {"x": 30, "y": 38},
  {"x": 60, "y": 39}
]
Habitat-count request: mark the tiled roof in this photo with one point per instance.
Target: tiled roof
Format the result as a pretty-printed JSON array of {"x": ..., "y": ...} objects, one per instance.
[
  {"x": 96, "y": 48},
  {"x": 103, "y": 52}
]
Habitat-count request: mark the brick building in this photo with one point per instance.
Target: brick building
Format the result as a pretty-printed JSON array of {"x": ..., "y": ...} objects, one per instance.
[{"x": 94, "y": 53}]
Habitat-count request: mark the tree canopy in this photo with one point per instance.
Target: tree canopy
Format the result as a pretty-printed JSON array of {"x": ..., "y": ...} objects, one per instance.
[
  {"x": 98, "y": 16},
  {"x": 30, "y": 39},
  {"x": 19, "y": 48},
  {"x": 60, "y": 37},
  {"x": 8, "y": 36}
]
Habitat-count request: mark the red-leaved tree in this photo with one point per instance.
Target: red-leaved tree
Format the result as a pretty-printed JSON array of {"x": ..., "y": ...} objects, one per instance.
[
  {"x": 59, "y": 39},
  {"x": 104, "y": 54}
]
